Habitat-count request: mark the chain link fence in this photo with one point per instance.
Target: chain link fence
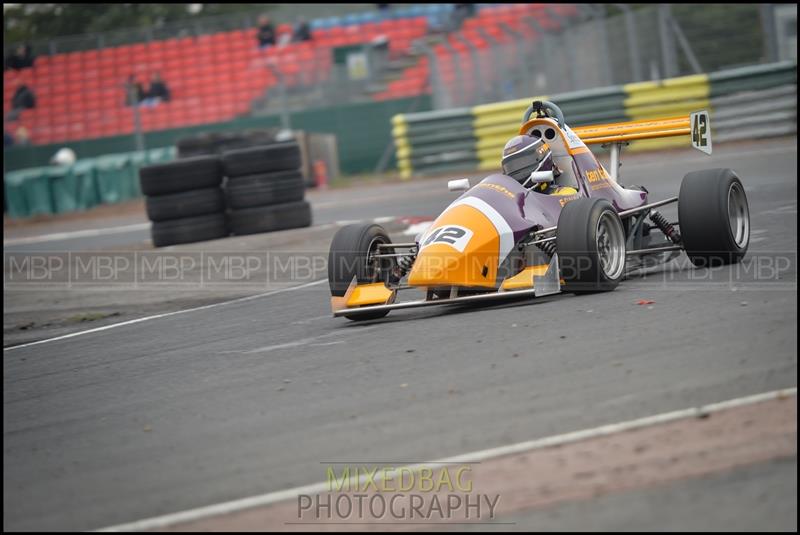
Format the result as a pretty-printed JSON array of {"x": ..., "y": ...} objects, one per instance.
[
  {"x": 607, "y": 45},
  {"x": 599, "y": 46}
]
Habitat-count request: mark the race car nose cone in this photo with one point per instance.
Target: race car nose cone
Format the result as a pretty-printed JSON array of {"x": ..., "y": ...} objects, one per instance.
[
  {"x": 434, "y": 267},
  {"x": 438, "y": 266}
]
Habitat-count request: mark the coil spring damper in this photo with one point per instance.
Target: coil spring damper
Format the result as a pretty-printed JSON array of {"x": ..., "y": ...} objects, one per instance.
[
  {"x": 665, "y": 227},
  {"x": 549, "y": 247},
  {"x": 404, "y": 263}
]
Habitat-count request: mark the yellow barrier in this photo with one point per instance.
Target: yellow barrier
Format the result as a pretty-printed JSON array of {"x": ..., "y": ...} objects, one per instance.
[
  {"x": 402, "y": 146},
  {"x": 643, "y": 94},
  {"x": 665, "y": 98},
  {"x": 494, "y": 124}
]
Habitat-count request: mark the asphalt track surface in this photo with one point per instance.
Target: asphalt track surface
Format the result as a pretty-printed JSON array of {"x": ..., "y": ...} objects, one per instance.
[{"x": 255, "y": 396}]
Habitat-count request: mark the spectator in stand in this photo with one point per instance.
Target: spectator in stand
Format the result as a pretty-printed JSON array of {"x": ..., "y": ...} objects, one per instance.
[
  {"x": 22, "y": 137},
  {"x": 8, "y": 139},
  {"x": 302, "y": 32},
  {"x": 21, "y": 58},
  {"x": 134, "y": 91},
  {"x": 266, "y": 33},
  {"x": 157, "y": 93},
  {"x": 23, "y": 99}
]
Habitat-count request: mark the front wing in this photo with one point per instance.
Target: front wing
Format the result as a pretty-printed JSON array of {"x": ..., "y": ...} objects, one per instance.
[{"x": 547, "y": 284}]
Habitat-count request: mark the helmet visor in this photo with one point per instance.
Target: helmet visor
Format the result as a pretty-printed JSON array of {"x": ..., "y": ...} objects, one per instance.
[{"x": 521, "y": 164}]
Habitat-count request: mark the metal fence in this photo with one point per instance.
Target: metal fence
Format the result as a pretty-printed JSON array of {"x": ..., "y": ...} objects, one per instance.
[
  {"x": 607, "y": 45},
  {"x": 604, "y": 45}
]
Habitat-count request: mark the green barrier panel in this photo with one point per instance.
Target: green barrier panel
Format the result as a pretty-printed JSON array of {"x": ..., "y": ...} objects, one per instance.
[
  {"x": 435, "y": 138},
  {"x": 461, "y": 124},
  {"x": 360, "y": 129},
  {"x": 436, "y": 117},
  {"x": 36, "y": 192},
  {"x": 439, "y": 139},
  {"x": 444, "y": 149},
  {"x": 753, "y": 78},
  {"x": 15, "y": 185},
  {"x": 62, "y": 188},
  {"x": 114, "y": 178},
  {"x": 161, "y": 155},
  {"x": 91, "y": 181},
  {"x": 468, "y": 164},
  {"x": 137, "y": 161},
  {"x": 85, "y": 182}
]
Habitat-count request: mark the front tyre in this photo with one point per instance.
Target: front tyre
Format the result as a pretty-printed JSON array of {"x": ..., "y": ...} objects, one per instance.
[
  {"x": 590, "y": 240},
  {"x": 350, "y": 256},
  {"x": 714, "y": 217}
]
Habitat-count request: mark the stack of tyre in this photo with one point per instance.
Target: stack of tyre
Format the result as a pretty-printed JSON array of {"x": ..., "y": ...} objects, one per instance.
[
  {"x": 265, "y": 189},
  {"x": 220, "y": 142},
  {"x": 184, "y": 200}
]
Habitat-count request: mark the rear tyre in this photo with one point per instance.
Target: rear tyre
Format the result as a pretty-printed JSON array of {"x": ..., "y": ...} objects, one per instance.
[
  {"x": 714, "y": 217},
  {"x": 590, "y": 240},
  {"x": 349, "y": 257}
]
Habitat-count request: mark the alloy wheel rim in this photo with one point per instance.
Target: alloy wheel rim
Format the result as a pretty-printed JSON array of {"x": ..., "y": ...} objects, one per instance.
[
  {"x": 738, "y": 215},
  {"x": 610, "y": 241}
]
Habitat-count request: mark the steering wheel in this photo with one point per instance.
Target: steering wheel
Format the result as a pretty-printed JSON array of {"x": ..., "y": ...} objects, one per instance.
[{"x": 544, "y": 108}]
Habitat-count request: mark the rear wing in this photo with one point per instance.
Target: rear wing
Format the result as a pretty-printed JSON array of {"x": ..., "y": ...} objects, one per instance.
[{"x": 697, "y": 124}]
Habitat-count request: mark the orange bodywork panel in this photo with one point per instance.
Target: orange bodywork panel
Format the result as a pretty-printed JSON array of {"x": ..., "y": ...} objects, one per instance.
[
  {"x": 363, "y": 294},
  {"x": 524, "y": 279},
  {"x": 369, "y": 294},
  {"x": 440, "y": 264},
  {"x": 632, "y": 130}
]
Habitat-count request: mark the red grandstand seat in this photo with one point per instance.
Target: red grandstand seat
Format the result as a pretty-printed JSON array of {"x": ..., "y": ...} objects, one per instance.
[{"x": 138, "y": 50}]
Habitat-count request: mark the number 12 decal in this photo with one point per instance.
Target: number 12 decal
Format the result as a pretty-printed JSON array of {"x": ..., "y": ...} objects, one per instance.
[
  {"x": 455, "y": 236},
  {"x": 701, "y": 131}
]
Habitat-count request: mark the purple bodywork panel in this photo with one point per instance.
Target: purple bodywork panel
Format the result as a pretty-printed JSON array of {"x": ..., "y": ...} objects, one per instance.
[{"x": 524, "y": 209}]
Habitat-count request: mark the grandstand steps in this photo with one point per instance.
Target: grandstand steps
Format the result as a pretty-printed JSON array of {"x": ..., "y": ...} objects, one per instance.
[
  {"x": 273, "y": 102},
  {"x": 395, "y": 69}
]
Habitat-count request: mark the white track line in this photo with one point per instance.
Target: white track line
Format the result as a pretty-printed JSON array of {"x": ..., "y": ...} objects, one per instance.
[
  {"x": 164, "y": 521},
  {"x": 303, "y": 341},
  {"x": 147, "y": 318},
  {"x": 417, "y": 228},
  {"x": 88, "y": 233}
]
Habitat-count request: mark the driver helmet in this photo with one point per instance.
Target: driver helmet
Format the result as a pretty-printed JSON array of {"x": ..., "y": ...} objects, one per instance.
[{"x": 525, "y": 154}]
